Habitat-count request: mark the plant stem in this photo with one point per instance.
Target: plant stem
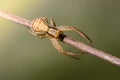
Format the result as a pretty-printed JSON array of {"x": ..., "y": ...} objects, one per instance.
[{"x": 77, "y": 44}]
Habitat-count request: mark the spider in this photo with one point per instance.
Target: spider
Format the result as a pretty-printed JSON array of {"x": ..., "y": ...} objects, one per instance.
[{"x": 42, "y": 29}]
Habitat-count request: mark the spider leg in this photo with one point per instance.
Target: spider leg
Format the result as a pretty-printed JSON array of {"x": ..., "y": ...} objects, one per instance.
[
  {"x": 52, "y": 22},
  {"x": 57, "y": 45},
  {"x": 71, "y": 28},
  {"x": 38, "y": 35}
]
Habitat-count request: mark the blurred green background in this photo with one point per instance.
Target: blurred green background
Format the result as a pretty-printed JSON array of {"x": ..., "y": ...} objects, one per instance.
[{"x": 25, "y": 57}]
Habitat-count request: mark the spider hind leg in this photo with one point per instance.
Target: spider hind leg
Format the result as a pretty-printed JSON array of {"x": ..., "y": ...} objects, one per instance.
[{"x": 52, "y": 22}]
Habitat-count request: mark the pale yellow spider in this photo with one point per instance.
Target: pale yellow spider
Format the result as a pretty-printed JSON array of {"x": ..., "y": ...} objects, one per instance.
[{"x": 41, "y": 28}]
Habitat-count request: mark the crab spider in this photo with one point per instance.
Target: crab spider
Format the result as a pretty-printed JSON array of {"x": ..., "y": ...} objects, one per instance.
[{"x": 42, "y": 29}]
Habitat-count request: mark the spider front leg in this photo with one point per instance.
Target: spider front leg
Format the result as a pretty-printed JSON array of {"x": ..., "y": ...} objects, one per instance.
[
  {"x": 70, "y": 28},
  {"x": 57, "y": 45}
]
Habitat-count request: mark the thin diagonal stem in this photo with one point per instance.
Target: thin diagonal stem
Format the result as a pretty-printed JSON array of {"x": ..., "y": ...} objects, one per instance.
[
  {"x": 77, "y": 44},
  {"x": 15, "y": 18},
  {"x": 93, "y": 51}
]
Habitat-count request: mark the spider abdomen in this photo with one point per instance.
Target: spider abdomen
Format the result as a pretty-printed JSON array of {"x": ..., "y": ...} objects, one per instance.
[{"x": 40, "y": 26}]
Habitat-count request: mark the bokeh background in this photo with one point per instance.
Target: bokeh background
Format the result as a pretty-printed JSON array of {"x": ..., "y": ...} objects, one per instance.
[{"x": 25, "y": 57}]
